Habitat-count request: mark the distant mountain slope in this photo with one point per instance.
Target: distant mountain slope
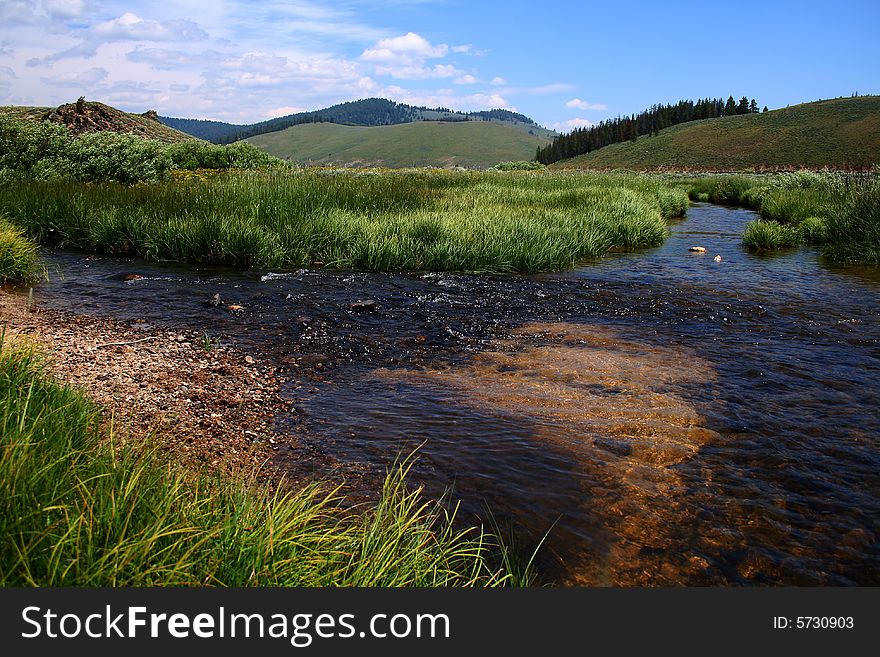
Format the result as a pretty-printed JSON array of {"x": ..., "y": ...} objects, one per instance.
[
  {"x": 366, "y": 112},
  {"x": 423, "y": 143},
  {"x": 842, "y": 133},
  {"x": 97, "y": 117}
]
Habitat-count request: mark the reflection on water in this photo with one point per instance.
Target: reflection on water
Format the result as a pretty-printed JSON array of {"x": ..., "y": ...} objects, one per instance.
[{"x": 676, "y": 420}]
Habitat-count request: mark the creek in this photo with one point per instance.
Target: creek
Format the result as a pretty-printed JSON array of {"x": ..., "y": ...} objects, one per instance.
[{"x": 669, "y": 419}]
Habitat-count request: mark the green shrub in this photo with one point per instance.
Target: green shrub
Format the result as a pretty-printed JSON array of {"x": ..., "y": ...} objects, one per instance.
[
  {"x": 521, "y": 165},
  {"x": 41, "y": 150},
  {"x": 191, "y": 155}
]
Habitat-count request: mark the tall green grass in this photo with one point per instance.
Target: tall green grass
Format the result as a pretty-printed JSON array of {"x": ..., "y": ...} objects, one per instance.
[
  {"x": 839, "y": 213},
  {"x": 82, "y": 508},
  {"x": 19, "y": 261},
  {"x": 852, "y": 228},
  {"x": 481, "y": 222}
]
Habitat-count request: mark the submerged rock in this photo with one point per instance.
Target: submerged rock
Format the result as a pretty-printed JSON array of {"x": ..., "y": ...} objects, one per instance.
[
  {"x": 214, "y": 301},
  {"x": 717, "y": 258},
  {"x": 698, "y": 249},
  {"x": 364, "y": 306}
]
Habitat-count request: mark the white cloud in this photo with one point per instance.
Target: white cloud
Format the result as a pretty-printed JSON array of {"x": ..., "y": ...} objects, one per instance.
[
  {"x": 64, "y": 8},
  {"x": 407, "y": 48},
  {"x": 128, "y": 27},
  {"x": 577, "y": 103},
  {"x": 446, "y": 98},
  {"x": 80, "y": 79},
  {"x": 406, "y": 58},
  {"x": 275, "y": 112},
  {"x": 131, "y": 27},
  {"x": 233, "y": 60},
  {"x": 572, "y": 124},
  {"x": 162, "y": 59}
]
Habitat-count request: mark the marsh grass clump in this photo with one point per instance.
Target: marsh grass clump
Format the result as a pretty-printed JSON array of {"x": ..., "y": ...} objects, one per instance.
[
  {"x": 814, "y": 231},
  {"x": 853, "y": 227},
  {"x": 413, "y": 220},
  {"x": 722, "y": 189},
  {"x": 765, "y": 235},
  {"x": 19, "y": 257},
  {"x": 81, "y": 507}
]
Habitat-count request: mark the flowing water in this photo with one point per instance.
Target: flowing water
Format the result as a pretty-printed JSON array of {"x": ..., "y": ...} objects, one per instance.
[{"x": 668, "y": 418}]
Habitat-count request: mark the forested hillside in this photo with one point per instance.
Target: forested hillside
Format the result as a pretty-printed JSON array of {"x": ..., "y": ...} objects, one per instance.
[
  {"x": 843, "y": 133},
  {"x": 649, "y": 122}
]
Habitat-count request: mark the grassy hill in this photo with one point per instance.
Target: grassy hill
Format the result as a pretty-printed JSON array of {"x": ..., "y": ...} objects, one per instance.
[
  {"x": 423, "y": 143},
  {"x": 364, "y": 112},
  {"x": 841, "y": 134},
  {"x": 98, "y": 117}
]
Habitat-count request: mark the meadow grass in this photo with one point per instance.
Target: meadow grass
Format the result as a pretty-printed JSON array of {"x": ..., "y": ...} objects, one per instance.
[
  {"x": 414, "y": 220},
  {"x": 83, "y": 508},
  {"x": 19, "y": 261}
]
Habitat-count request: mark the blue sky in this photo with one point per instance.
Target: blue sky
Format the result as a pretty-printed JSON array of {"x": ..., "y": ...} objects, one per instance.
[{"x": 562, "y": 63}]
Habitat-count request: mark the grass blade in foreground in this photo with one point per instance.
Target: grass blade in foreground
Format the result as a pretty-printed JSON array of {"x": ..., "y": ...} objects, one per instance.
[{"x": 79, "y": 510}]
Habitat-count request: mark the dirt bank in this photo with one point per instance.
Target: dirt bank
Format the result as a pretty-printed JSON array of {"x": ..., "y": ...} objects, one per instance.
[{"x": 210, "y": 404}]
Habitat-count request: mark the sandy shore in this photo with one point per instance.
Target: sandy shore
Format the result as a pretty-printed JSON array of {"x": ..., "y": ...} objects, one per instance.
[{"x": 210, "y": 405}]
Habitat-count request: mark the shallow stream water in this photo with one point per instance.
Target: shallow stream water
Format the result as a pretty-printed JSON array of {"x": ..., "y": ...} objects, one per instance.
[{"x": 669, "y": 419}]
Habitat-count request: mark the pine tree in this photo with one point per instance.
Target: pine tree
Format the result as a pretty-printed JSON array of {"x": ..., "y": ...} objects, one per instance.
[
  {"x": 730, "y": 107},
  {"x": 753, "y": 107}
]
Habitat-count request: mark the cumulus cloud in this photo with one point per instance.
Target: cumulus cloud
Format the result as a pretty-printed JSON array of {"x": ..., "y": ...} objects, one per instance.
[
  {"x": 466, "y": 79},
  {"x": 572, "y": 124},
  {"x": 577, "y": 103},
  {"x": 498, "y": 81},
  {"x": 410, "y": 47},
  {"x": 128, "y": 27},
  {"x": 406, "y": 58}
]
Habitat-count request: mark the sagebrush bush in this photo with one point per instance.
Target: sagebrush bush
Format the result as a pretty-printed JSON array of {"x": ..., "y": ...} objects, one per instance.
[{"x": 41, "y": 150}]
